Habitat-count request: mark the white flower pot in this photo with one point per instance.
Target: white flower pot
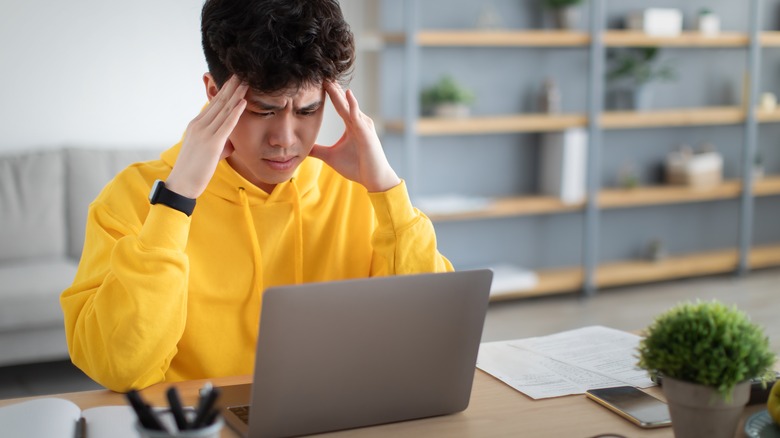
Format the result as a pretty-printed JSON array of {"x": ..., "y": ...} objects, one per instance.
[
  {"x": 451, "y": 110},
  {"x": 700, "y": 411}
]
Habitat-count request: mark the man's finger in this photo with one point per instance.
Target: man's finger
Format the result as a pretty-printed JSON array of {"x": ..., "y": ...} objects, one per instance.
[
  {"x": 218, "y": 102},
  {"x": 338, "y": 98},
  {"x": 234, "y": 99},
  {"x": 226, "y": 128}
]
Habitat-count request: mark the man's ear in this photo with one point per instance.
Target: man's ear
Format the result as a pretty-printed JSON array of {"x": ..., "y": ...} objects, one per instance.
[{"x": 211, "y": 86}]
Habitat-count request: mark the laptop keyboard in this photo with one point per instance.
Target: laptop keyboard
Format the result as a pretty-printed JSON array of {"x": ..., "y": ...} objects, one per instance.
[{"x": 242, "y": 412}]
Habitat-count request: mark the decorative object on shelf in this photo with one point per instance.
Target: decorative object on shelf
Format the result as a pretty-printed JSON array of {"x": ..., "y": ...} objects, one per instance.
[
  {"x": 656, "y": 22},
  {"x": 628, "y": 178},
  {"x": 706, "y": 353},
  {"x": 489, "y": 19},
  {"x": 656, "y": 251},
  {"x": 452, "y": 204},
  {"x": 446, "y": 98},
  {"x": 564, "y": 158},
  {"x": 707, "y": 22},
  {"x": 695, "y": 169},
  {"x": 632, "y": 71},
  {"x": 768, "y": 102},
  {"x": 565, "y": 13},
  {"x": 508, "y": 279},
  {"x": 758, "y": 166},
  {"x": 550, "y": 98}
]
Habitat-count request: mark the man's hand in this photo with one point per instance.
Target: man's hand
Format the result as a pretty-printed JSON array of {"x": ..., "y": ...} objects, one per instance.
[
  {"x": 358, "y": 154},
  {"x": 206, "y": 140}
]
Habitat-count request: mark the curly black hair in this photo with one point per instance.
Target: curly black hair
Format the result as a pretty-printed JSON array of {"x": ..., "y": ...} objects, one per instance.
[{"x": 277, "y": 45}]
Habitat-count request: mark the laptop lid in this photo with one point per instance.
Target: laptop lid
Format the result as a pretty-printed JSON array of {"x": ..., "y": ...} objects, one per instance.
[{"x": 355, "y": 353}]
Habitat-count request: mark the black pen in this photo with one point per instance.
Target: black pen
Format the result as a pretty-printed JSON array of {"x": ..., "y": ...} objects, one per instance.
[
  {"x": 81, "y": 428},
  {"x": 176, "y": 408},
  {"x": 145, "y": 415},
  {"x": 205, "y": 408}
]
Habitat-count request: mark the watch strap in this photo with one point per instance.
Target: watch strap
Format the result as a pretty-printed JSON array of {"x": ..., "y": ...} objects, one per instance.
[{"x": 162, "y": 195}]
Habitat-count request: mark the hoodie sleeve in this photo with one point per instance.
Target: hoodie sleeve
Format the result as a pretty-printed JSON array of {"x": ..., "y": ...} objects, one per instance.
[
  {"x": 404, "y": 241},
  {"x": 127, "y": 307}
]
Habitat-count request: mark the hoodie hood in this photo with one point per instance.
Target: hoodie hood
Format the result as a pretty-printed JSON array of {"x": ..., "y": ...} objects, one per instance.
[
  {"x": 226, "y": 182},
  {"x": 234, "y": 188}
]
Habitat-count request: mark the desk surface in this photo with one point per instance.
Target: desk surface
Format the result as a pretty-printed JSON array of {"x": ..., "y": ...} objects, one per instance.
[{"x": 495, "y": 410}]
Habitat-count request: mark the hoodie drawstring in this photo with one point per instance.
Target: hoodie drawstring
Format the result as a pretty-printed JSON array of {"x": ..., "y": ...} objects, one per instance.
[
  {"x": 257, "y": 255},
  {"x": 298, "y": 233}
]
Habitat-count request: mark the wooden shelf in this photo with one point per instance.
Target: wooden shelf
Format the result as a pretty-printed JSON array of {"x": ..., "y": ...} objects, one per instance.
[
  {"x": 502, "y": 39},
  {"x": 619, "y": 38},
  {"x": 612, "y": 120},
  {"x": 673, "y": 117},
  {"x": 614, "y": 198},
  {"x": 556, "y": 281},
  {"x": 551, "y": 281},
  {"x": 516, "y": 206},
  {"x": 493, "y": 124},
  {"x": 643, "y": 196},
  {"x": 552, "y": 38}
]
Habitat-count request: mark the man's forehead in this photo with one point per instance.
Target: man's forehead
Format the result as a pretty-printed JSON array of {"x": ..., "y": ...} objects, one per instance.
[{"x": 307, "y": 94}]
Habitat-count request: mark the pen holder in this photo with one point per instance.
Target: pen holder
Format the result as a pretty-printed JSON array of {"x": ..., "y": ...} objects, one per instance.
[{"x": 166, "y": 418}]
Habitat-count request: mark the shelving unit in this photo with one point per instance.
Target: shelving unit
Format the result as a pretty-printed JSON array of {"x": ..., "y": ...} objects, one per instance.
[{"x": 592, "y": 275}]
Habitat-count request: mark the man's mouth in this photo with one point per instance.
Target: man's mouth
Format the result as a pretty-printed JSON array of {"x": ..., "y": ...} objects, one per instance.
[{"x": 281, "y": 163}]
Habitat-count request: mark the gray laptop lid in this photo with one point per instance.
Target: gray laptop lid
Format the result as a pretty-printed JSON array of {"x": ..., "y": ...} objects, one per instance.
[{"x": 355, "y": 353}]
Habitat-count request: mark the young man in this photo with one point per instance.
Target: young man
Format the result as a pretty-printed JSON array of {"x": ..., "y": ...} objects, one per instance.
[{"x": 168, "y": 290}]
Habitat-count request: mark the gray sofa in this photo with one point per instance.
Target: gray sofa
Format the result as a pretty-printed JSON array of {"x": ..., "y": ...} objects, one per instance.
[{"x": 44, "y": 197}]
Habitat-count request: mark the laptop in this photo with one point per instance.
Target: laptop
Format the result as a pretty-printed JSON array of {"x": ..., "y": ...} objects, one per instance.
[{"x": 354, "y": 353}]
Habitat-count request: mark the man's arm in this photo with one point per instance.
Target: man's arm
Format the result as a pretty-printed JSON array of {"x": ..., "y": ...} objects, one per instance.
[
  {"x": 404, "y": 241},
  {"x": 126, "y": 310}
]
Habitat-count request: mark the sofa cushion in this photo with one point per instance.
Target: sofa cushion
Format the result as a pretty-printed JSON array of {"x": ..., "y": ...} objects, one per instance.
[
  {"x": 32, "y": 205},
  {"x": 87, "y": 172},
  {"x": 30, "y": 293}
]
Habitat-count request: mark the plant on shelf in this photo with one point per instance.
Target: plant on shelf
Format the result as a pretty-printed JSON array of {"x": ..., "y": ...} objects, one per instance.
[
  {"x": 631, "y": 71},
  {"x": 446, "y": 98},
  {"x": 705, "y": 353},
  {"x": 564, "y": 12}
]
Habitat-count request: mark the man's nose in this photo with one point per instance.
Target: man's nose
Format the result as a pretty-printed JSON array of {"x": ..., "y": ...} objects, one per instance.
[{"x": 282, "y": 133}]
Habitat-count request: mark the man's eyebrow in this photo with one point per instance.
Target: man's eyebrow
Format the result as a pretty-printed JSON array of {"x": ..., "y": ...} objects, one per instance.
[
  {"x": 311, "y": 107},
  {"x": 265, "y": 105}
]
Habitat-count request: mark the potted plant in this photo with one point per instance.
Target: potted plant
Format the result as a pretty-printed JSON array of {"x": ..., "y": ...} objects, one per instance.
[
  {"x": 705, "y": 352},
  {"x": 632, "y": 70},
  {"x": 564, "y": 13},
  {"x": 446, "y": 98}
]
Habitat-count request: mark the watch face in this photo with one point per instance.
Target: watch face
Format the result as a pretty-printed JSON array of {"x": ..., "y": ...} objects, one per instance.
[{"x": 154, "y": 191}]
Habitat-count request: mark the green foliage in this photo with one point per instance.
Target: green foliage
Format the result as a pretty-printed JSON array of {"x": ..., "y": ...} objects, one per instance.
[
  {"x": 637, "y": 64},
  {"x": 706, "y": 343},
  {"x": 445, "y": 91},
  {"x": 559, "y": 4}
]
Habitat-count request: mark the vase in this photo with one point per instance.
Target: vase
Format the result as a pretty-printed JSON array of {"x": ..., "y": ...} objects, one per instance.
[
  {"x": 566, "y": 18},
  {"x": 642, "y": 98},
  {"x": 700, "y": 411},
  {"x": 451, "y": 110}
]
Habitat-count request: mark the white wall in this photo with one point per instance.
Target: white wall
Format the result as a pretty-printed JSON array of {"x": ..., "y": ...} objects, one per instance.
[{"x": 106, "y": 73}]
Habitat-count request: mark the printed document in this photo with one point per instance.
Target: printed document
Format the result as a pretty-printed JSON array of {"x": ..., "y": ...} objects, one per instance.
[{"x": 565, "y": 363}]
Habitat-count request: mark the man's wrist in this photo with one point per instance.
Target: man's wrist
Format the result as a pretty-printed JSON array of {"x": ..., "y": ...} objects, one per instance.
[
  {"x": 384, "y": 184},
  {"x": 161, "y": 194}
]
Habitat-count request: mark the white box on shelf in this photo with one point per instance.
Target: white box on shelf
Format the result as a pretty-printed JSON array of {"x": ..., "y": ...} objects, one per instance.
[
  {"x": 656, "y": 21},
  {"x": 699, "y": 170},
  {"x": 564, "y": 170},
  {"x": 508, "y": 279}
]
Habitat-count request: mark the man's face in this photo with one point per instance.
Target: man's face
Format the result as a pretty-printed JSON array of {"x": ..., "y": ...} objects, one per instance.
[{"x": 275, "y": 133}]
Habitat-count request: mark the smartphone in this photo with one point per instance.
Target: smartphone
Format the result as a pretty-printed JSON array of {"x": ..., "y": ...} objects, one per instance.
[{"x": 634, "y": 405}]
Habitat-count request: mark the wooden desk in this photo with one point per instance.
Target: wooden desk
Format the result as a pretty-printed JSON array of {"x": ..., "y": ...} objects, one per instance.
[{"x": 495, "y": 410}]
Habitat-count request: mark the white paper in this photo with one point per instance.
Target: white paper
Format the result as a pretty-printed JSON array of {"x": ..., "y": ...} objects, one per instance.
[
  {"x": 111, "y": 421},
  {"x": 57, "y": 418},
  {"x": 41, "y": 418},
  {"x": 565, "y": 363}
]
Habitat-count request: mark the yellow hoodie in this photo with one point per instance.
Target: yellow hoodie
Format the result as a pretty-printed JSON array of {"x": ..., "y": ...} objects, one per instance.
[{"x": 160, "y": 296}]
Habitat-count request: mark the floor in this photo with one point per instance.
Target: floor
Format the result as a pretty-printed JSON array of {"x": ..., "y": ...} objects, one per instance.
[{"x": 630, "y": 308}]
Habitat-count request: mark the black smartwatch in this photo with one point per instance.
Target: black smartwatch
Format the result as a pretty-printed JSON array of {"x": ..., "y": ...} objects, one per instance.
[{"x": 161, "y": 195}]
